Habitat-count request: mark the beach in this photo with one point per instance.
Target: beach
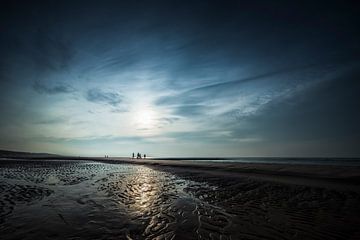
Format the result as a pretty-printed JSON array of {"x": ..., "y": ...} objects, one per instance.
[{"x": 121, "y": 198}]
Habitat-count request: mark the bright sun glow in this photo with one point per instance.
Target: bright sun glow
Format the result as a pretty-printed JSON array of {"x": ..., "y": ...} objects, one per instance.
[{"x": 145, "y": 118}]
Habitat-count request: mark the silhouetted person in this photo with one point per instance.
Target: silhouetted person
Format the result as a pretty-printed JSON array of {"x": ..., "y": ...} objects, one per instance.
[
  {"x": 133, "y": 155},
  {"x": 144, "y": 155}
]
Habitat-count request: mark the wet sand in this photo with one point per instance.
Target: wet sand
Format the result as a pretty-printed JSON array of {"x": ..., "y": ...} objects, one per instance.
[{"x": 169, "y": 200}]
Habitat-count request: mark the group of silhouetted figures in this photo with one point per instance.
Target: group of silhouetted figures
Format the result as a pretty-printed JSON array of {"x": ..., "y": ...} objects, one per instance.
[{"x": 138, "y": 155}]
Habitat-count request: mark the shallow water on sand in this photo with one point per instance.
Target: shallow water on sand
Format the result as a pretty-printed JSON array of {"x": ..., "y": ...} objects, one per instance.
[{"x": 88, "y": 200}]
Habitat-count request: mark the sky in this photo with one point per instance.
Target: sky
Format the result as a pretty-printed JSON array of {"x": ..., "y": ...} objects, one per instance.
[{"x": 181, "y": 78}]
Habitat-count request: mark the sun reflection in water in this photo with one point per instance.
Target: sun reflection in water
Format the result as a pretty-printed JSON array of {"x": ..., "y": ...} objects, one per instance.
[{"x": 144, "y": 190}]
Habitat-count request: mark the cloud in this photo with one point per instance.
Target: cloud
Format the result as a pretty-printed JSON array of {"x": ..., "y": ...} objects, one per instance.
[
  {"x": 51, "y": 90},
  {"x": 164, "y": 121},
  {"x": 247, "y": 96},
  {"x": 227, "y": 88},
  {"x": 98, "y": 96},
  {"x": 95, "y": 139},
  {"x": 190, "y": 110},
  {"x": 168, "y": 120},
  {"x": 199, "y": 136},
  {"x": 53, "y": 120},
  {"x": 119, "y": 110},
  {"x": 325, "y": 112}
]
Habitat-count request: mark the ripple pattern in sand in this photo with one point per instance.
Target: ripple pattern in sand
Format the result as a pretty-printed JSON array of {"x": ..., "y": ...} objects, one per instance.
[
  {"x": 156, "y": 199},
  {"x": 269, "y": 210},
  {"x": 15, "y": 194},
  {"x": 89, "y": 200}
]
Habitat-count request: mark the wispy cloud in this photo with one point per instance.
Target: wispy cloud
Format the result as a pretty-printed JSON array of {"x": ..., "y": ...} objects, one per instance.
[
  {"x": 107, "y": 138},
  {"x": 244, "y": 97},
  {"x": 190, "y": 110},
  {"x": 58, "y": 88},
  {"x": 200, "y": 135},
  {"x": 168, "y": 120},
  {"x": 53, "y": 120},
  {"x": 99, "y": 96}
]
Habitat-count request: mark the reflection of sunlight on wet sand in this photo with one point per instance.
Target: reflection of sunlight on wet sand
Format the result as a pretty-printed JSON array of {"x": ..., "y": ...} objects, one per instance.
[
  {"x": 147, "y": 196},
  {"x": 52, "y": 180},
  {"x": 144, "y": 190}
]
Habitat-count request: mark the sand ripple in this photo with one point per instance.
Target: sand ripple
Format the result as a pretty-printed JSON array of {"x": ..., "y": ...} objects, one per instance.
[
  {"x": 85, "y": 200},
  {"x": 15, "y": 194}
]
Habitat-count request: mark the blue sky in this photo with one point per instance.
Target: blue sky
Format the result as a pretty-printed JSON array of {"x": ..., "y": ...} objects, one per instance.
[{"x": 179, "y": 78}]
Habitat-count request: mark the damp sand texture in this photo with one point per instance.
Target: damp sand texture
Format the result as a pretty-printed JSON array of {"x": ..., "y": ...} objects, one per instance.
[{"x": 92, "y": 200}]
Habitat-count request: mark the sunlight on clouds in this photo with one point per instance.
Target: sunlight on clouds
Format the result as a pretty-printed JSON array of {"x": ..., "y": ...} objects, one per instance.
[{"x": 145, "y": 118}]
